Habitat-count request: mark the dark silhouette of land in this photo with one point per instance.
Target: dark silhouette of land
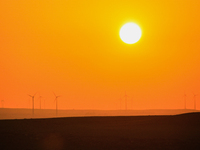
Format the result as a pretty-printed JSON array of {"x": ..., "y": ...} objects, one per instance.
[{"x": 174, "y": 132}]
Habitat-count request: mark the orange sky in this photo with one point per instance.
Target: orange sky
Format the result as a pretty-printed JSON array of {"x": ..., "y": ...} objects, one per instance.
[{"x": 73, "y": 48}]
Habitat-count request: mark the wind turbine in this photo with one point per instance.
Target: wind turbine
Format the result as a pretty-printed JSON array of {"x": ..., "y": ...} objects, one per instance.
[
  {"x": 56, "y": 100},
  {"x": 32, "y": 96},
  {"x": 194, "y": 101},
  {"x": 185, "y": 99},
  {"x": 125, "y": 96},
  {"x": 2, "y": 103}
]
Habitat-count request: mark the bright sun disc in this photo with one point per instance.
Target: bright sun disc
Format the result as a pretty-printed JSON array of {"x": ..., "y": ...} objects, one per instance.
[{"x": 130, "y": 33}]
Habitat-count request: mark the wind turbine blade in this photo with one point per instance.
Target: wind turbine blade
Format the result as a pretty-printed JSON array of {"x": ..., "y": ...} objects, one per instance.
[
  {"x": 35, "y": 94},
  {"x": 30, "y": 95}
]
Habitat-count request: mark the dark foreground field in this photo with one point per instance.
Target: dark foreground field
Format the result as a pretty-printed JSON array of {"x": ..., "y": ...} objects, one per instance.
[{"x": 102, "y": 133}]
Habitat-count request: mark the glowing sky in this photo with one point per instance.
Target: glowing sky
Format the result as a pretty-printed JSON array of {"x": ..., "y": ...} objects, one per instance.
[{"x": 73, "y": 48}]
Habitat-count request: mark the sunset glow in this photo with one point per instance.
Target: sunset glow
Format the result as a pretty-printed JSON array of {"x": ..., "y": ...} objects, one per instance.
[{"x": 73, "y": 48}]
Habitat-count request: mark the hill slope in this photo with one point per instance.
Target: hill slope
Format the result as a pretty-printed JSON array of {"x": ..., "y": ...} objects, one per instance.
[{"x": 98, "y": 133}]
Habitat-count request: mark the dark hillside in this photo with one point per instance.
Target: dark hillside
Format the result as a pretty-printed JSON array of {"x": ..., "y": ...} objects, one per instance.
[{"x": 95, "y": 133}]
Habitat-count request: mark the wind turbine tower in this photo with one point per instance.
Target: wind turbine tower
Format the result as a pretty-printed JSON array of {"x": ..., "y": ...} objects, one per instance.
[
  {"x": 194, "y": 101},
  {"x": 56, "y": 100},
  {"x": 32, "y": 96}
]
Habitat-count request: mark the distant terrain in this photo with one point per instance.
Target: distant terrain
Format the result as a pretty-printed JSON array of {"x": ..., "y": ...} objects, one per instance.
[
  {"x": 173, "y": 132},
  {"x": 9, "y": 113}
]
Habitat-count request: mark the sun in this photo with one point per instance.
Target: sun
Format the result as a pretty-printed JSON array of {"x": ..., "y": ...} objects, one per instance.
[{"x": 130, "y": 33}]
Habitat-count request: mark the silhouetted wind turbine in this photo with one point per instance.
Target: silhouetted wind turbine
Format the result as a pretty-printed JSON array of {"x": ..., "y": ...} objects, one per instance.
[
  {"x": 56, "y": 99},
  {"x": 194, "y": 101},
  {"x": 125, "y": 96},
  {"x": 2, "y": 103},
  {"x": 32, "y": 96}
]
